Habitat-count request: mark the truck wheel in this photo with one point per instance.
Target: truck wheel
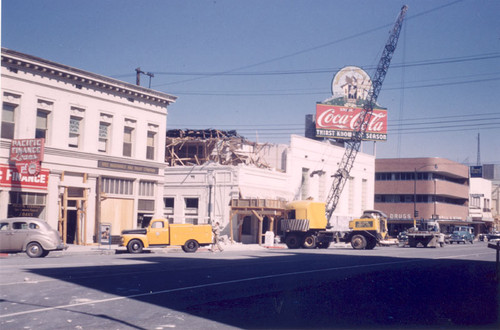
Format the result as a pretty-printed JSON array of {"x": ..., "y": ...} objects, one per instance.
[
  {"x": 35, "y": 250},
  {"x": 309, "y": 242},
  {"x": 324, "y": 245},
  {"x": 135, "y": 246},
  {"x": 191, "y": 246},
  {"x": 292, "y": 241},
  {"x": 371, "y": 244},
  {"x": 358, "y": 242}
]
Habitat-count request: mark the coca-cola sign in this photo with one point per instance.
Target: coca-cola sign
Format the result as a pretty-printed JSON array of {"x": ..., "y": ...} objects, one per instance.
[{"x": 339, "y": 122}]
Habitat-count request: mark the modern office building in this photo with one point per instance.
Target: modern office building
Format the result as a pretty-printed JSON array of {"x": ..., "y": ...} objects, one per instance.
[{"x": 422, "y": 189}]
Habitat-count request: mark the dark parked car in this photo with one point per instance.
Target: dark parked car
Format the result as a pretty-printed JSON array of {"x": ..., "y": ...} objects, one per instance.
[
  {"x": 462, "y": 234},
  {"x": 32, "y": 235},
  {"x": 402, "y": 238},
  {"x": 491, "y": 236}
]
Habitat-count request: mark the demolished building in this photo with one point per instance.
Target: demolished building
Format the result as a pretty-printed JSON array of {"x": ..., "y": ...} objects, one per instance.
[
  {"x": 220, "y": 176},
  {"x": 197, "y": 147}
]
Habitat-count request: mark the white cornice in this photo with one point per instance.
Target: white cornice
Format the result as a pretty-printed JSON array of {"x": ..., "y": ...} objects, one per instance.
[{"x": 19, "y": 61}]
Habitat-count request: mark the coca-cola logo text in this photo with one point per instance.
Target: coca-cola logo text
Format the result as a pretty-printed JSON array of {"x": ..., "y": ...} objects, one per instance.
[{"x": 342, "y": 118}]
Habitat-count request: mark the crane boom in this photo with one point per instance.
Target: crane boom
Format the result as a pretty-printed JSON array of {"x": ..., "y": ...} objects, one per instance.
[{"x": 352, "y": 146}]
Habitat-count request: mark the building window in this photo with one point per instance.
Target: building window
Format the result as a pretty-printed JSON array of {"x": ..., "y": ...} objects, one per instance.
[
  {"x": 364, "y": 193},
  {"x": 350, "y": 202},
  {"x": 304, "y": 186},
  {"x": 191, "y": 210},
  {"x": 75, "y": 127},
  {"x": 25, "y": 204},
  {"x": 146, "y": 188},
  {"x": 168, "y": 206},
  {"x": 117, "y": 186},
  {"x": 150, "y": 148},
  {"x": 41, "y": 124},
  {"x": 145, "y": 205},
  {"x": 8, "y": 122},
  {"x": 128, "y": 133},
  {"x": 103, "y": 136}
]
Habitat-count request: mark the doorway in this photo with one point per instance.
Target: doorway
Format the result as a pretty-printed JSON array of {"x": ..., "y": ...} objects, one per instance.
[{"x": 71, "y": 229}]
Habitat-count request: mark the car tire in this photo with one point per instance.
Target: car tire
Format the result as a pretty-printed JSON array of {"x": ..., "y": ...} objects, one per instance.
[
  {"x": 358, "y": 242},
  {"x": 293, "y": 241},
  {"x": 135, "y": 246},
  {"x": 190, "y": 246},
  {"x": 35, "y": 250},
  {"x": 309, "y": 242},
  {"x": 324, "y": 245},
  {"x": 371, "y": 244}
]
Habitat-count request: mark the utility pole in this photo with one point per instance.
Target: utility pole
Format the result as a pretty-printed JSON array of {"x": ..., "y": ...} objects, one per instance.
[
  {"x": 138, "y": 76},
  {"x": 478, "y": 149}
]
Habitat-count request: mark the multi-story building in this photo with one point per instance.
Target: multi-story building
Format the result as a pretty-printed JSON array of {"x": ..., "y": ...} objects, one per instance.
[
  {"x": 424, "y": 189},
  {"x": 480, "y": 204},
  {"x": 492, "y": 173},
  {"x": 103, "y": 153}
]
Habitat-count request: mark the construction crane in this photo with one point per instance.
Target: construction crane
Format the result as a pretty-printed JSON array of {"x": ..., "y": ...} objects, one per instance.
[{"x": 353, "y": 145}]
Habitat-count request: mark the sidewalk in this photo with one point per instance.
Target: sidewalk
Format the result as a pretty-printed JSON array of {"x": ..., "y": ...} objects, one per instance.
[{"x": 115, "y": 249}]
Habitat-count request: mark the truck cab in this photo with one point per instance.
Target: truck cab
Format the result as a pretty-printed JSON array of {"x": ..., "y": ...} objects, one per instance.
[{"x": 368, "y": 230}]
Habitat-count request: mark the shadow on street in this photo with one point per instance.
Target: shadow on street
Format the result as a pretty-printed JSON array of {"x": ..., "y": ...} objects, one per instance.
[{"x": 306, "y": 290}]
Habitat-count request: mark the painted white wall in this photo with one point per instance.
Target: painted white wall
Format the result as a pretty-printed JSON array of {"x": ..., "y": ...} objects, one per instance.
[
  {"x": 323, "y": 156},
  {"x": 480, "y": 188},
  {"x": 32, "y": 89}
]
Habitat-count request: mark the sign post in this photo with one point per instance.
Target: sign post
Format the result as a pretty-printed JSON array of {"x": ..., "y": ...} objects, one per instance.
[
  {"x": 105, "y": 234},
  {"x": 496, "y": 247}
]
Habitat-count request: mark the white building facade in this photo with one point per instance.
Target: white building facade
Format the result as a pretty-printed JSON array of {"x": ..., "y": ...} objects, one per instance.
[
  {"x": 302, "y": 170},
  {"x": 103, "y": 158},
  {"x": 480, "y": 203}
]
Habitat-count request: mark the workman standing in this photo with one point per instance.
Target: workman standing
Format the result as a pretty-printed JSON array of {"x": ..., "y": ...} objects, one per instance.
[{"x": 216, "y": 232}]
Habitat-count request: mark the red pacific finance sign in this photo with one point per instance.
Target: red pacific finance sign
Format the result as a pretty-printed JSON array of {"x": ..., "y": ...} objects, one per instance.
[
  {"x": 338, "y": 122},
  {"x": 27, "y": 154},
  {"x": 10, "y": 177}
]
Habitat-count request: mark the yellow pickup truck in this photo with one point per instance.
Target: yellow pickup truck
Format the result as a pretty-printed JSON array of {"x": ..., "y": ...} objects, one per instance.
[{"x": 160, "y": 233}]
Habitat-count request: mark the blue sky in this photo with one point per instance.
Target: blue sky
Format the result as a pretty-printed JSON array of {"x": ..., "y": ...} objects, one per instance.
[{"x": 260, "y": 66}]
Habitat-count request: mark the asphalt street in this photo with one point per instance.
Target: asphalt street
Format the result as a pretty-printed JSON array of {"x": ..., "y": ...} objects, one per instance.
[{"x": 388, "y": 287}]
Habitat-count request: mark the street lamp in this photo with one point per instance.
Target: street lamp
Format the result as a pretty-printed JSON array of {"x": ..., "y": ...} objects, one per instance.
[
  {"x": 210, "y": 179},
  {"x": 415, "y": 212}
]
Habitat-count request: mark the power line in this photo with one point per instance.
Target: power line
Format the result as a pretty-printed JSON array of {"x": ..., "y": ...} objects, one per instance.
[
  {"x": 449, "y": 60},
  {"x": 298, "y": 92},
  {"x": 307, "y": 50},
  {"x": 476, "y": 115}
]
